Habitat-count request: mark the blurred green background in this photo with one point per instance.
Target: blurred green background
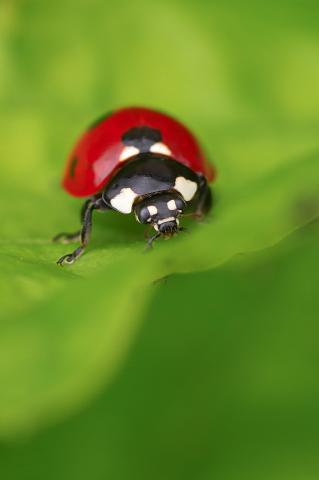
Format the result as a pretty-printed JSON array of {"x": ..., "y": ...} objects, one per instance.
[{"x": 199, "y": 360}]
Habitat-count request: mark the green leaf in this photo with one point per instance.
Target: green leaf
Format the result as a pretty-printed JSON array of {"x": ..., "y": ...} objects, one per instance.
[
  {"x": 59, "y": 353},
  {"x": 243, "y": 76},
  {"x": 221, "y": 383}
]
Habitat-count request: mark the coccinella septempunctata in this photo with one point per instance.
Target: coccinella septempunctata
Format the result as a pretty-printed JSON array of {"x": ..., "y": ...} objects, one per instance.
[{"x": 140, "y": 161}]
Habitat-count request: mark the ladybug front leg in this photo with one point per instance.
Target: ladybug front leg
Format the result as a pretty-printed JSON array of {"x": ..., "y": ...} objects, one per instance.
[
  {"x": 87, "y": 211},
  {"x": 65, "y": 237}
]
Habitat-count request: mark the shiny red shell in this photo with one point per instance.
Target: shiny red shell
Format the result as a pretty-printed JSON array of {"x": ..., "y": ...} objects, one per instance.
[{"x": 96, "y": 155}]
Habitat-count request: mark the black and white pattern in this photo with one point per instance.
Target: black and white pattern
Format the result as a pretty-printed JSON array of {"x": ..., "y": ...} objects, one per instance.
[{"x": 146, "y": 175}]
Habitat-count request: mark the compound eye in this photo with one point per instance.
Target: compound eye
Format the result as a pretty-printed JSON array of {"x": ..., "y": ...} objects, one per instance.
[
  {"x": 180, "y": 204},
  {"x": 144, "y": 215}
]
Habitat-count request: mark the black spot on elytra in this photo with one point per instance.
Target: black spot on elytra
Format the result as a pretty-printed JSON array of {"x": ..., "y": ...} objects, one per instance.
[
  {"x": 73, "y": 164},
  {"x": 142, "y": 138},
  {"x": 99, "y": 120}
]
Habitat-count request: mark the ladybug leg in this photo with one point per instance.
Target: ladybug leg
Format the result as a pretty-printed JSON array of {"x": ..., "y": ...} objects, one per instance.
[
  {"x": 87, "y": 211},
  {"x": 150, "y": 240},
  {"x": 65, "y": 237},
  {"x": 205, "y": 200}
]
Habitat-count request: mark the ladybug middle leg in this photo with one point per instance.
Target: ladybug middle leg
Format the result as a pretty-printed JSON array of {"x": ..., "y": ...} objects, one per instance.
[{"x": 83, "y": 234}]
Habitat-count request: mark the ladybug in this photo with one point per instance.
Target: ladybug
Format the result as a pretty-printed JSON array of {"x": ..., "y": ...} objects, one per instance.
[{"x": 137, "y": 160}]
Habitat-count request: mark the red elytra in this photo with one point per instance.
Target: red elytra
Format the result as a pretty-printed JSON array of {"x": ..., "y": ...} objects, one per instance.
[{"x": 96, "y": 156}]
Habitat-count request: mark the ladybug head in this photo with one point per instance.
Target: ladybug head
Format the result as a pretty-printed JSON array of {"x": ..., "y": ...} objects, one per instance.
[{"x": 162, "y": 211}]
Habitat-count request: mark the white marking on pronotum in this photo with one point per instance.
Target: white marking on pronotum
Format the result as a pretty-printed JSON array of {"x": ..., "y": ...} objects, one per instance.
[
  {"x": 128, "y": 152},
  {"x": 186, "y": 187},
  {"x": 152, "y": 210},
  {"x": 171, "y": 205},
  {"x": 160, "y": 148},
  {"x": 124, "y": 200}
]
